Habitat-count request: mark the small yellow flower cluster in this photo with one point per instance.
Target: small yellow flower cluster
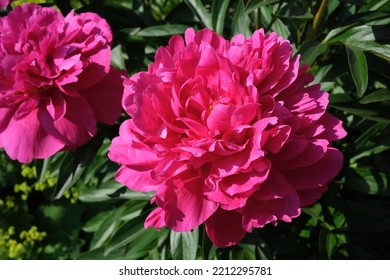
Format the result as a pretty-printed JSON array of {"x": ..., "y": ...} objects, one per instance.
[
  {"x": 31, "y": 173},
  {"x": 29, "y": 237},
  {"x": 15, "y": 249},
  {"x": 72, "y": 194},
  {"x": 50, "y": 181},
  {"x": 9, "y": 202},
  {"x": 11, "y": 248},
  {"x": 24, "y": 189}
]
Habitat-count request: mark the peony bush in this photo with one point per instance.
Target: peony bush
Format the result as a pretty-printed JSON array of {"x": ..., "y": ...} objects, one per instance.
[
  {"x": 56, "y": 81},
  {"x": 227, "y": 133}
]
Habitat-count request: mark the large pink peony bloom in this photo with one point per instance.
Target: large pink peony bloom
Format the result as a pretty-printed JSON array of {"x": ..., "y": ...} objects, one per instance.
[
  {"x": 226, "y": 133},
  {"x": 56, "y": 81}
]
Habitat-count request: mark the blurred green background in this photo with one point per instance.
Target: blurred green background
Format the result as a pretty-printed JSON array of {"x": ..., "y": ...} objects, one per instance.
[{"x": 70, "y": 207}]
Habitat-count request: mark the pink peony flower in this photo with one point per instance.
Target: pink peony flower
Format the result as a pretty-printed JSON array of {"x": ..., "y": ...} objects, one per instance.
[
  {"x": 226, "y": 133},
  {"x": 4, "y": 3},
  {"x": 56, "y": 81}
]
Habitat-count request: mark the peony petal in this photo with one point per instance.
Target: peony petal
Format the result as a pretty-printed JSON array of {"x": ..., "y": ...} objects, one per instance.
[
  {"x": 333, "y": 128},
  {"x": 244, "y": 114},
  {"x": 137, "y": 179},
  {"x": 105, "y": 97},
  {"x": 219, "y": 118},
  {"x": 308, "y": 197},
  {"x": 184, "y": 206},
  {"x": 276, "y": 138},
  {"x": 25, "y": 139},
  {"x": 276, "y": 186},
  {"x": 76, "y": 127},
  {"x": 125, "y": 153},
  {"x": 309, "y": 177},
  {"x": 155, "y": 219},
  {"x": 257, "y": 215},
  {"x": 224, "y": 228},
  {"x": 315, "y": 150},
  {"x": 209, "y": 58}
]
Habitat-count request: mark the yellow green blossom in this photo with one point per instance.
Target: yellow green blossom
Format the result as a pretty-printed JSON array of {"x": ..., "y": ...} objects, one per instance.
[
  {"x": 72, "y": 194},
  {"x": 29, "y": 237},
  {"x": 10, "y": 201},
  {"x": 29, "y": 172},
  {"x": 24, "y": 188},
  {"x": 12, "y": 247}
]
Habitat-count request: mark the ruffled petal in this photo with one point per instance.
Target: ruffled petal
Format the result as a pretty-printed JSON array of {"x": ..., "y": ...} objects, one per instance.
[{"x": 224, "y": 228}]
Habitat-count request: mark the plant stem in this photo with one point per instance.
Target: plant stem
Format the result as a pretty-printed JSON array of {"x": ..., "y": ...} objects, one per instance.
[
  {"x": 317, "y": 19},
  {"x": 319, "y": 15}
]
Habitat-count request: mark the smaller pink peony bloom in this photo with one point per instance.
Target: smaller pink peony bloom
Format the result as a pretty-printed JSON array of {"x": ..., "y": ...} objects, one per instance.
[
  {"x": 4, "y": 3},
  {"x": 226, "y": 133},
  {"x": 56, "y": 81}
]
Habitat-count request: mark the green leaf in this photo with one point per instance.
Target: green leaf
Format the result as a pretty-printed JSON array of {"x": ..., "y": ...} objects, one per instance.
[
  {"x": 273, "y": 24},
  {"x": 126, "y": 233},
  {"x": 98, "y": 254},
  {"x": 373, "y": 5},
  {"x": 368, "y": 181},
  {"x": 359, "y": 70},
  {"x": 294, "y": 12},
  {"x": 364, "y": 38},
  {"x": 100, "y": 194},
  {"x": 310, "y": 50},
  {"x": 341, "y": 98},
  {"x": 240, "y": 22},
  {"x": 362, "y": 142},
  {"x": 377, "y": 96},
  {"x": 140, "y": 247},
  {"x": 201, "y": 12},
  {"x": 376, "y": 112},
  {"x": 362, "y": 33},
  {"x": 327, "y": 243},
  {"x": 248, "y": 252},
  {"x": 118, "y": 57},
  {"x": 95, "y": 223},
  {"x": 162, "y": 30},
  {"x": 120, "y": 17},
  {"x": 378, "y": 149},
  {"x": 380, "y": 50},
  {"x": 42, "y": 166},
  {"x": 112, "y": 190},
  {"x": 105, "y": 230},
  {"x": 255, "y": 4},
  {"x": 74, "y": 164},
  {"x": 109, "y": 226},
  {"x": 184, "y": 245},
  {"x": 364, "y": 19},
  {"x": 218, "y": 12},
  {"x": 314, "y": 211}
]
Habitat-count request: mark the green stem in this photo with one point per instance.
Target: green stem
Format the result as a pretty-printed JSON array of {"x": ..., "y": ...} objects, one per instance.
[
  {"x": 317, "y": 19},
  {"x": 319, "y": 15},
  {"x": 46, "y": 164}
]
